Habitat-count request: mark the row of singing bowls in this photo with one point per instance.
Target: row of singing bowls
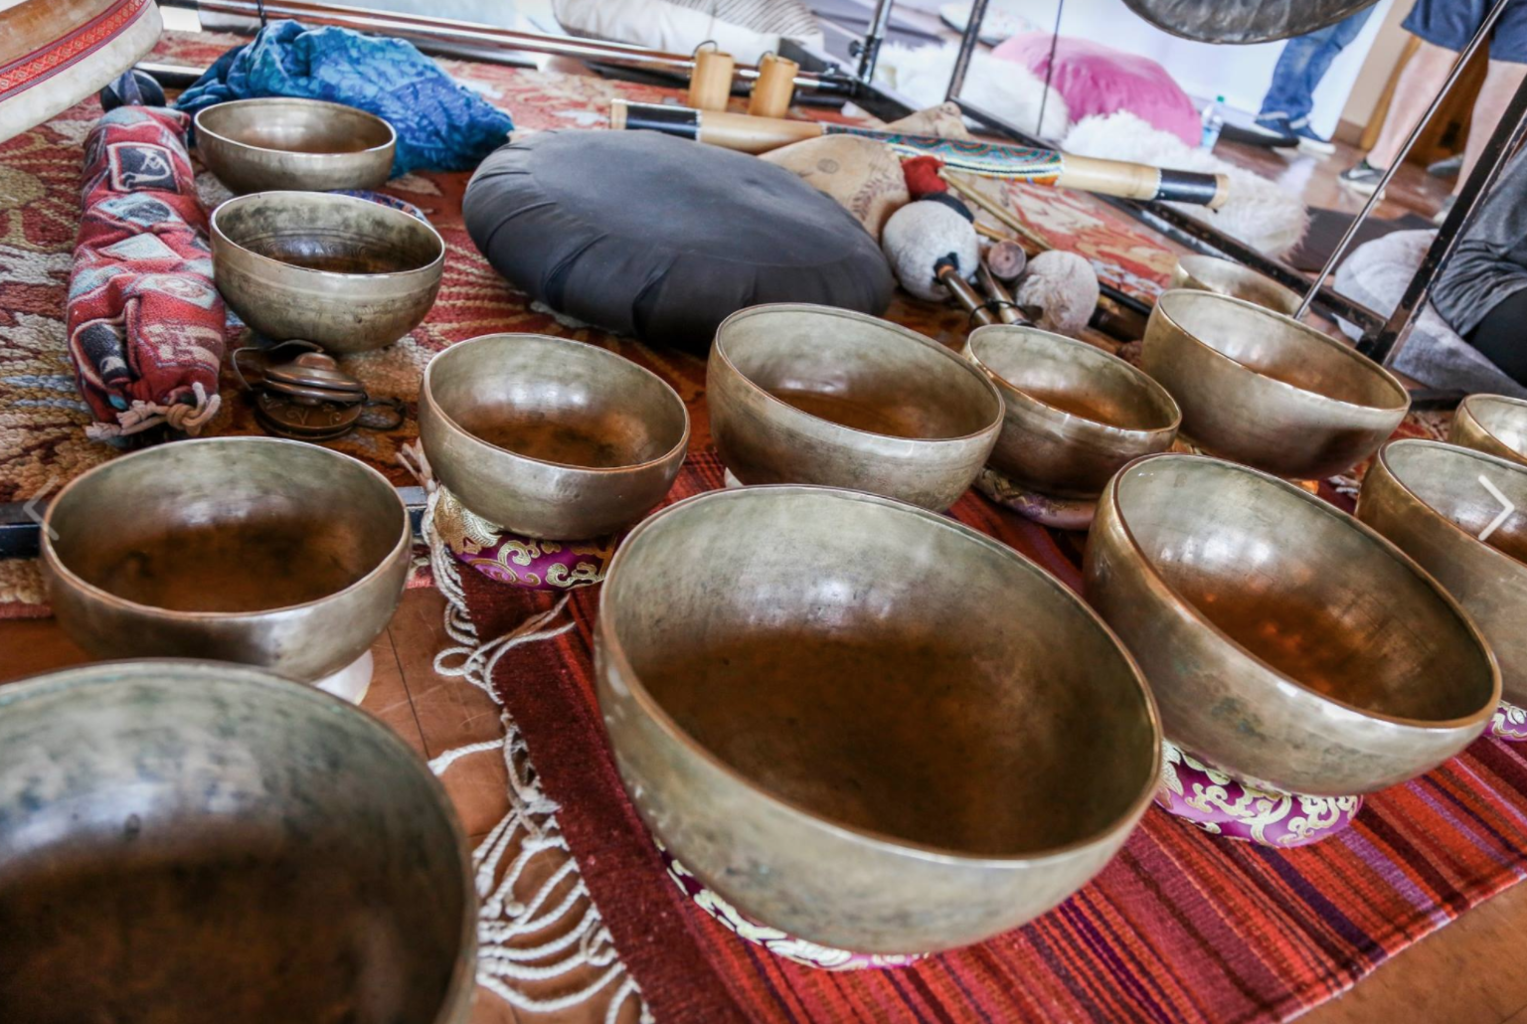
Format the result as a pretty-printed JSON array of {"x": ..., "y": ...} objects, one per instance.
[
  {"x": 1075, "y": 415},
  {"x": 1493, "y": 424},
  {"x": 275, "y": 144},
  {"x": 1268, "y": 391},
  {"x": 1284, "y": 641},
  {"x": 1212, "y": 274},
  {"x": 1431, "y": 500},
  {"x": 813, "y": 395},
  {"x": 346, "y": 273},
  {"x": 188, "y": 841},
  {"x": 266, "y": 552},
  {"x": 549, "y": 437},
  {"x": 887, "y": 732}
]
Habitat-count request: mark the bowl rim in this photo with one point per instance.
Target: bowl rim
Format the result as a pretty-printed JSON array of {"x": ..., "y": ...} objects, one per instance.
[
  {"x": 1137, "y": 375},
  {"x": 1158, "y": 583},
  {"x": 1351, "y": 354},
  {"x": 1187, "y": 261},
  {"x": 1122, "y": 823},
  {"x": 718, "y": 351},
  {"x": 55, "y": 563},
  {"x": 433, "y": 269},
  {"x": 1471, "y": 403},
  {"x": 280, "y": 101},
  {"x": 1452, "y": 451},
  {"x": 680, "y": 448}
]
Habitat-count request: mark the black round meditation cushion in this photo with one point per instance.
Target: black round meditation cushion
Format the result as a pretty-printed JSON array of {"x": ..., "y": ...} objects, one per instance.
[{"x": 663, "y": 238}]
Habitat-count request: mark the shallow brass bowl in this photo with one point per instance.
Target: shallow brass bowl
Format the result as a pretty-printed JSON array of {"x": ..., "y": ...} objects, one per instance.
[
  {"x": 281, "y": 144},
  {"x": 887, "y": 732},
  {"x": 188, "y": 841},
  {"x": 1075, "y": 414},
  {"x": 550, "y": 437},
  {"x": 813, "y": 395},
  {"x": 1428, "y": 498},
  {"x": 255, "y": 550},
  {"x": 346, "y": 273},
  {"x": 1285, "y": 642},
  {"x": 1267, "y": 391},
  {"x": 1212, "y": 274},
  {"x": 1493, "y": 424}
]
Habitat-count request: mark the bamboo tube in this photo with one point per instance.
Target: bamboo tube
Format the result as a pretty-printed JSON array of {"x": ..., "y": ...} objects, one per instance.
[
  {"x": 775, "y": 88},
  {"x": 710, "y": 85}
]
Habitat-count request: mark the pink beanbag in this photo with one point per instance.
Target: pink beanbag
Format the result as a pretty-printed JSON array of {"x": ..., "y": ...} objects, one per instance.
[{"x": 1095, "y": 79}]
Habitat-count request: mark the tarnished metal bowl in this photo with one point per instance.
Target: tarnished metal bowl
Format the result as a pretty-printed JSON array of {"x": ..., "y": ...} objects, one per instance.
[
  {"x": 550, "y": 437},
  {"x": 1265, "y": 390},
  {"x": 886, "y": 733},
  {"x": 1212, "y": 274},
  {"x": 813, "y": 395},
  {"x": 255, "y": 550},
  {"x": 1493, "y": 424},
  {"x": 346, "y": 273},
  {"x": 1075, "y": 414},
  {"x": 195, "y": 841},
  {"x": 1431, "y": 500},
  {"x": 1285, "y": 642},
  {"x": 285, "y": 144}
]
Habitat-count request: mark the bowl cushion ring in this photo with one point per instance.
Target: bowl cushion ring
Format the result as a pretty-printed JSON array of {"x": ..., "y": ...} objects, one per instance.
[
  {"x": 1508, "y": 723},
  {"x": 515, "y": 559},
  {"x": 1044, "y": 509},
  {"x": 644, "y": 234}
]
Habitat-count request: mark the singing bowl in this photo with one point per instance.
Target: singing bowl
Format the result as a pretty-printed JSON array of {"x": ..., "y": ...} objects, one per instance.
[
  {"x": 254, "y": 550},
  {"x": 187, "y": 841},
  {"x": 1493, "y": 424},
  {"x": 1212, "y": 274},
  {"x": 813, "y": 395},
  {"x": 887, "y": 733},
  {"x": 280, "y": 144},
  {"x": 1075, "y": 415},
  {"x": 1428, "y": 498},
  {"x": 550, "y": 437},
  {"x": 1267, "y": 391},
  {"x": 1285, "y": 642},
  {"x": 346, "y": 273}
]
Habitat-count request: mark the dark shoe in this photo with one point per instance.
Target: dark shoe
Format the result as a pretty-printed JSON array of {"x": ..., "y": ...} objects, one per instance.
[
  {"x": 1310, "y": 142},
  {"x": 1449, "y": 168},
  {"x": 1363, "y": 178},
  {"x": 1447, "y": 208},
  {"x": 1274, "y": 128}
]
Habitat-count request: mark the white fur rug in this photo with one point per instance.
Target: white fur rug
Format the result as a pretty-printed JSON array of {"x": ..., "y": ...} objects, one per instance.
[{"x": 921, "y": 74}]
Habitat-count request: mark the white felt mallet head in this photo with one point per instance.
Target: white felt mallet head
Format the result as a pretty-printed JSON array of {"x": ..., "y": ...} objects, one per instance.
[
  {"x": 918, "y": 236},
  {"x": 1059, "y": 292}
]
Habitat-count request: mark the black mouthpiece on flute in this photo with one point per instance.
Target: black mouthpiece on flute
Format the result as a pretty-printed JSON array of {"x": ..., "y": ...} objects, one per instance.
[{"x": 670, "y": 120}]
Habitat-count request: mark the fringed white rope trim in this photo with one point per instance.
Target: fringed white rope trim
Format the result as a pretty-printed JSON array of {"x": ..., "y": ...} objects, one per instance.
[
  {"x": 140, "y": 416},
  {"x": 508, "y": 958}
]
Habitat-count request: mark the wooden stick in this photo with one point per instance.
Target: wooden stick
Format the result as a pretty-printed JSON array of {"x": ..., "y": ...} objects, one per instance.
[{"x": 997, "y": 210}]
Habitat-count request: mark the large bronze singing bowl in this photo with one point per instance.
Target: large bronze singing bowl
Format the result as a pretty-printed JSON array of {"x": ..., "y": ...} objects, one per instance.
[
  {"x": 886, "y": 733},
  {"x": 279, "y": 144},
  {"x": 1212, "y": 274},
  {"x": 1428, "y": 498},
  {"x": 808, "y": 394},
  {"x": 1075, "y": 414},
  {"x": 1285, "y": 642},
  {"x": 188, "y": 841},
  {"x": 1267, "y": 391},
  {"x": 550, "y": 437},
  {"x": 1493, "y": 424},
  {"x": 346, "y": 273},
  {"x": 273, "y": 553}
]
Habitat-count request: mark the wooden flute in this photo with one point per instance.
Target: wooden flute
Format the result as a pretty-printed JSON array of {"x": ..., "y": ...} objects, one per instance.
[{"x": 1038, "y": 166}]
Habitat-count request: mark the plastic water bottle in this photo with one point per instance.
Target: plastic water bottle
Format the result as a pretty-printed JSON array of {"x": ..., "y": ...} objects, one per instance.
[{"x": 1213, "y": 123}]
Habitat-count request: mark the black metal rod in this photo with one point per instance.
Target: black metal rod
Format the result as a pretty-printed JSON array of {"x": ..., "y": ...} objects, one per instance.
[
  {"x": 874, "y": 36},
  {"x": 968, "y": 41}
]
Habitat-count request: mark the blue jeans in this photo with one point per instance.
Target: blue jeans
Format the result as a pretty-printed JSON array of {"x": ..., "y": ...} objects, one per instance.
[{"x": 1303, "y": 63}]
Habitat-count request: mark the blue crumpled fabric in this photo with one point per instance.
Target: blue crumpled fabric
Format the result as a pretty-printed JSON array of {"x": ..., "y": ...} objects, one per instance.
[{"x": 441, "y": 125}]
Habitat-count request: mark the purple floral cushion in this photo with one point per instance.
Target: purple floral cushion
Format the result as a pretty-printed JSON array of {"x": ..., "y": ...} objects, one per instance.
[
  {"x": 1509, "y": 723},
  {"x": 518, "y": 560}
]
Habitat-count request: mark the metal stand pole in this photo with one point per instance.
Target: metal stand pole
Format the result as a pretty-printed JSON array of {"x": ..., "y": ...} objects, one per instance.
[
  {"x": 869, "y": 49},
  {"x": 968, "y": 43}
]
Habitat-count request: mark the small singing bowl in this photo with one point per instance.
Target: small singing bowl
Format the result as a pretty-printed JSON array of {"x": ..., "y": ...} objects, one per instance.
[
  {"x": 280, "y": 144},
  {"x": 199, "y": 841},
  {"x": 550, "y": 437},
  {"x": 346, "y": 273},
  {"x": 1262, "y": 389},
  {"x": 1285, "y": 642},
  {"x": 1075, "y": 414},
  {"x": 1493, "y": 424},
  {"x": 813, "y": 395},
  {"x": 1212, "y": 274},
  {"x": 1431, "y": 500},
  {"x": 255, "y": 550},
  {"x": 887, "y": 733}
]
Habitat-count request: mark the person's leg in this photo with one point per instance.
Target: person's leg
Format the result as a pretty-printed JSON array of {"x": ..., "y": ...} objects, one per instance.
[
  {"x": 1288, "y": 95},
  {"x": 1501, "y": 82},
  {"x": 1501, "y": 336},
  {"x": 1331, "y": 41},
  {"x": 1413, "y": 93}
]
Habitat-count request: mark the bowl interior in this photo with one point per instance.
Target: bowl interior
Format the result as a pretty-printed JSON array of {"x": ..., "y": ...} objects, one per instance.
[
  {"x": 556, "y": 401},
  {"x": 859, "y": 373},
  {"x": 240, "y": 525},
  {"x": 1503, "y": 417},
  {"x": 294, "y": 126},
  {"x": 1241, "y": 282},
  {"x": 1281, "y": 348},
  {"x": 1448, "y": 480},
  {"x": 337, "y": 234},
  {"x": 1074, "y": 378},
  {"x": 1304, "y": 588},
  {"x": 883, "y": 669}
]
